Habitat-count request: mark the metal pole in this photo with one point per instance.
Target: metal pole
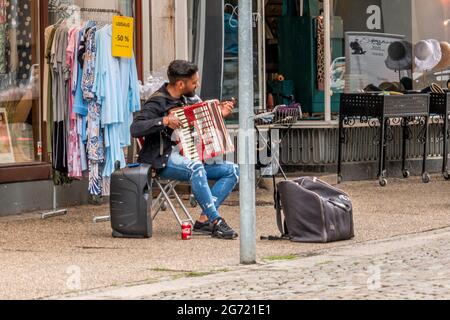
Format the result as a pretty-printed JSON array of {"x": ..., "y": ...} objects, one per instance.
[
  {"x": 247, "y": 156},
  {"x": 327, "y": 49}
]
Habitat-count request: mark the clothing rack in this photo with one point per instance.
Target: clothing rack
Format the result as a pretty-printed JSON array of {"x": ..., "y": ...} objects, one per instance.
[
  {"x": 99, "y": 10},
  {"x": 69, "y": 10}
]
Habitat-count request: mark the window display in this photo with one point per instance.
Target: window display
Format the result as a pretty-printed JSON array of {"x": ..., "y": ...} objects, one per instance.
[
  {"x": 390, "y": 48},
  {"x": 217, "y": 56},
  {"x": 19, "y": 79}
]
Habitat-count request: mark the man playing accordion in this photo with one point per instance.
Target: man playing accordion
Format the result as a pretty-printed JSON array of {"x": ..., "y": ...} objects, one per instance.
[{"x": 157, "y": 124}]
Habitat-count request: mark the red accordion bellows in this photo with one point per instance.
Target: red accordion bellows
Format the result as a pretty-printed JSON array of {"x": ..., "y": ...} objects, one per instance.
[{"x": 203, "y": 135}]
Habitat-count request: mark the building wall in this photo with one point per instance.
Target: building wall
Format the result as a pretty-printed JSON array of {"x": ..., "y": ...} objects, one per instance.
[
  {"x": 38, "y": 196},
  {"x": 165, "y": 33}
]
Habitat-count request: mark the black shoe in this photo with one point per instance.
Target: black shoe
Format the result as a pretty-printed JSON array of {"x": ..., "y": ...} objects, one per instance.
[
  {"x": 203, "y": 228},
  {"x": 222, "y": 230}
]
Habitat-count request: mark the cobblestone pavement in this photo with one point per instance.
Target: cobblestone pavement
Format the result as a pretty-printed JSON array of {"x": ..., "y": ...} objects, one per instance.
[{"x": 406, "y": 267}]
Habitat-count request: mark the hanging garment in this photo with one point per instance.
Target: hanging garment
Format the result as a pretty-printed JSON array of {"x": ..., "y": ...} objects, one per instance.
[
  {"x": 82, "y": 137},
  {"x": 55, "y": 137},
  {"x": 60, "y": 96},
  {"x": 95, "y": 179},
  {"x": 48, "y": 106},
  {"x": 117, "y": 90},
  {"x": 89, "y": 57},
  {"x": 80, "y": 107},
  {"x": 320, "y": 53},
  {"x": 95, "y": 141},
  {"x": 47, "y": 33},
  {"x": 81, "y": 104},
  {"x": 73, "y": 151}
]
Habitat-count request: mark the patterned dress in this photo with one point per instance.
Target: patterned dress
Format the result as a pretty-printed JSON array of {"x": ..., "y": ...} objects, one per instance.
[
  {"x": 73, "y": 155},
  {"x": 95, "y": 142}
]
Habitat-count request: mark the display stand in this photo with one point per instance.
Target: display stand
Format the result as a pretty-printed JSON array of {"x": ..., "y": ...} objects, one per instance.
[
  {"x": 56, "y": 212},
  {"x": 404, "y": 110}
]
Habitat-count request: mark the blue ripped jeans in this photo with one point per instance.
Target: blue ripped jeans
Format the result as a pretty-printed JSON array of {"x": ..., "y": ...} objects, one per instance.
[{"x": 226, "y": 176}]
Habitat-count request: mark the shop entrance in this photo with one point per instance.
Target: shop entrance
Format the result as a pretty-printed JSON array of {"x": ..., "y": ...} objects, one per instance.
[{"x": 294, "y": 49}]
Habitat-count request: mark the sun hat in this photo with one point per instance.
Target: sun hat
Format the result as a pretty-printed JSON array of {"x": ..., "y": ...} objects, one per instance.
[
  {"x": 399, "y": 56},
  {"x": 427, "y": 54},
  {"x": 445, "y": 60}
]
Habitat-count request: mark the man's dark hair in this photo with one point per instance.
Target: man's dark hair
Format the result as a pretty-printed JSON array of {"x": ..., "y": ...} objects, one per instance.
[{"x": 181, "y": 70}]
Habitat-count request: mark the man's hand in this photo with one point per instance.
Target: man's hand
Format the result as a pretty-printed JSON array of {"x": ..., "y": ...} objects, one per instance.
[
  {"x": 227, "y": 108},
  {"x": 172, "y": 122}
]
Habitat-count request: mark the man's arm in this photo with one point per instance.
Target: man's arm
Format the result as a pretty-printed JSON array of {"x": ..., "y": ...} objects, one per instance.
[{"x": 147, "y": 121}]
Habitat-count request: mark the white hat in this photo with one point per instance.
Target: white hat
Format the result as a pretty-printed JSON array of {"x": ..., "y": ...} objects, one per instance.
[{"x": 428, "y": 54}]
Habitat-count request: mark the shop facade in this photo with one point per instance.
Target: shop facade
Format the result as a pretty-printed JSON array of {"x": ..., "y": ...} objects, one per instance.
[
  {"x": 312, "y": 44},
  {"x": 323, "y": 49},
  {"x": 25, "y": 160}
]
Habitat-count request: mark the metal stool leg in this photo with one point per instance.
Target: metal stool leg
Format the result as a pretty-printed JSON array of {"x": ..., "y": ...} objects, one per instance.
[
  {"x": 160, "y": 200},
  {"x": 166, "y": 196},
  {"x": 183, "y": 207}
]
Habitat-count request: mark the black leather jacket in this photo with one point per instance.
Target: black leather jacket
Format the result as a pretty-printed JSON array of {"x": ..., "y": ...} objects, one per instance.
[{"x": 148, "y": 124}]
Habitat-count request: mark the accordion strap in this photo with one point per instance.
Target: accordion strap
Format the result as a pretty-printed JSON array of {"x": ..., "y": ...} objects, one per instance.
[{"x": 161, "y": 144}]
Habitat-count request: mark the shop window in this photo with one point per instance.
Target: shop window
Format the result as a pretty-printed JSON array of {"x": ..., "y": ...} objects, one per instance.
[
  {"x": 431, "y": 37},
  {"x": 19, "y": 82},
  {"x": 395, "y": 45},
  {"x": 126, "y": 7},
  {"x": 213, "y": 43},
  {"x": 377, "y": 42}
]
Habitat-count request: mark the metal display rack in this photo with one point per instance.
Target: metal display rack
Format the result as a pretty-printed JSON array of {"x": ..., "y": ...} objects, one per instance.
[{"x": 386, "y": 111}]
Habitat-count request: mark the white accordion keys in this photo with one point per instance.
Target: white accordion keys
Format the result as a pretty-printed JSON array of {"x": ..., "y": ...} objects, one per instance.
[{"x": 203, "y": 134}]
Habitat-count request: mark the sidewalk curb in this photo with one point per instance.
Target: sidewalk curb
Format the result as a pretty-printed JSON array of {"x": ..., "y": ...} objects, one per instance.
[{"x": 308, "y": 260}]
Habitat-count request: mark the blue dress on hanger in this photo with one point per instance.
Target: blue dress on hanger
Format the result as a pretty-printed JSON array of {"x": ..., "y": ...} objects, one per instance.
[{"x": 117, "y": 89}]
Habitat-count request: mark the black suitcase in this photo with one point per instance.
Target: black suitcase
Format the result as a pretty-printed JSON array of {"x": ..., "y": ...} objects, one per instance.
[
  {"x": 314, "y": 211},
  {"x": 131, "y": 202}
]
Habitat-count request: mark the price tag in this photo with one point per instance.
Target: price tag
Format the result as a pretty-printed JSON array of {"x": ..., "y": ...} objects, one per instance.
[{"x": 122, "y": 37}]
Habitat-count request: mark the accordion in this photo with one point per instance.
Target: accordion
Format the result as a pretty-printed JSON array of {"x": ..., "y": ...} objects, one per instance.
[{"x": 203, "y": 135}]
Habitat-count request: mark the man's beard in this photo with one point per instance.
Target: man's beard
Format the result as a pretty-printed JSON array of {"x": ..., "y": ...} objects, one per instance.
[{"x": 191, "y": 94}]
